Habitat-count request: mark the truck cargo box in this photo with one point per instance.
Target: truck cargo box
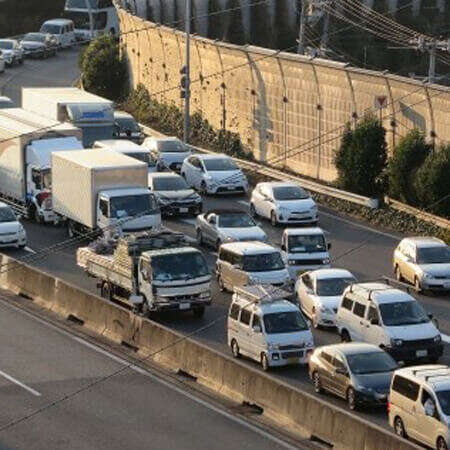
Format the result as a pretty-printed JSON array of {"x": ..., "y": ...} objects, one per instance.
[{"x": 78, "y": 177}]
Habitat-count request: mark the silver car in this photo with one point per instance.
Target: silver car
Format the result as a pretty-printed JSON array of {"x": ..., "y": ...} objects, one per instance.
[
  {"x": 220, "y": 226},
  {"x": 424, "y": 262}
]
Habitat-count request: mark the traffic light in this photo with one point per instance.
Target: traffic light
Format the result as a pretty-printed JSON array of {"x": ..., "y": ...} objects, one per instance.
[{"x": 183, "y": 82}]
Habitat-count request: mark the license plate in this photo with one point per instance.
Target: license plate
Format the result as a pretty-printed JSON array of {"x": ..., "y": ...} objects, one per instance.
[
  {"x": 421, "y": 353},
  {"x": 185, "y": 305},
  {"x": 231, "y": 188},
  {"x": 184, "y": 210}
]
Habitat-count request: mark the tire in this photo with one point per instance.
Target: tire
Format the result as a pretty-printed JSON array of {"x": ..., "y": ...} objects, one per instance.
[
  {"x": 317, "y": 383},
  {"x": 264, "y": 362},
  {"x": 399, "y": 428},
  {"x": 417, "y": 285},
  {"x": 345, "y": 336},
  {"x": 273, "y": 219},
  {"x": 235, "y": 349},
  {"x": 106, "y": 291},
  {"x": 200, "y": 238},
  {"x": 199, "y": 312},
  {"x": 313, "y": 319},
  {"x": 351, "y": 399},
  {"x": 252, "y": 210},
  {"x": 398, "y": 274},
  {"x": 441, "y": 444}
]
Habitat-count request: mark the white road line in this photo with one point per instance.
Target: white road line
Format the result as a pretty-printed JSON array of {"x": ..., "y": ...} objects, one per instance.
[
  {"x": 28, "y": 249},
  {"x": 148, "y": 374},
  {"x": 22, "y": 385},
  {"x": 357, "y": 225},
  {"x": 446, "y": 338},
  {"x": 243, "y": 202}
]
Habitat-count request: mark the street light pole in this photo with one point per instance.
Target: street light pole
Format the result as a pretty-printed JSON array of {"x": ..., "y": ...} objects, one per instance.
[{"x": 187, "y": 27}]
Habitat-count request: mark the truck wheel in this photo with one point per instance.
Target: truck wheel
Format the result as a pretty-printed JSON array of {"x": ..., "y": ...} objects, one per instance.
[
  {"x": 106, "y": 291},
  {"x": 199, "y": 312}
]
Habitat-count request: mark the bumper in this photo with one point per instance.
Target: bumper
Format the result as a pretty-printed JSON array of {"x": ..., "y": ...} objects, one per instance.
[
  {"x": 49, "y": 216},
  {"x": 177, "y": 209},
  {"x": 227, "y": 189},
  {"x": 278, "y": 358},
  {"x": 180, "y": 306},
  {"x": 295, "y": 271},
  {"x": 405, "y": 353},
  {"x": 434, "y": 284},
  {"x": 326, "y": 319},
  {"x": 371, "y": 399},
  {"x": 17, "y": 241},
  {"x": 289, "y": 218}
]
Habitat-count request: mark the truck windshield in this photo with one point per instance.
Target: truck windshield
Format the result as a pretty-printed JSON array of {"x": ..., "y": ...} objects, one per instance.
[
  {"x": 179, "y": 266},
  {"x": 6, "y": 215},
  {"x": 132, "y": 205},
  {"x": 402, "y": 313},
  {"x": 263, "y": 262},
  {"x": 306, "y": 244},
  {"x": 433, "y": 255},
  {"x": 284, "y": 322},
  {"x": 50, "y": 28},
  {"x": 444, "y": 401},
  {"x": 81, "y": 19},
  {"x": 332, "y": 287}
]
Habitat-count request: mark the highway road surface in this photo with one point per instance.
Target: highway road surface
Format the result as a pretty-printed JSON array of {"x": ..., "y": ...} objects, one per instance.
[{"x": 357, "y": 246}]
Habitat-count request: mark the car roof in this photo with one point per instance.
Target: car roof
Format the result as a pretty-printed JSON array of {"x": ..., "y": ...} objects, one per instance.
[
  {"x": 164, "y": 175},
  {"x": 4, "y": 205},
  {"x": 435, "y": 376},
  {"x": 303, "y": 231},
  {"x": 322, "y": 274},
  {"x": 123, "y": 115},
  {"x": 249, "y": 248},
  {"x": 380, "y": 293},
  {"x": 352, "y": 348},
  {"x": 166, "y": 138},
  {"x": 219, "y": 156},
  {"x": 218, "y": 212},
  {"x": 58, "y": 22},
  {"x": 8, "y": 40},
  {"x": 279, "y": 183},
  {"x": 424, "y": 241}
]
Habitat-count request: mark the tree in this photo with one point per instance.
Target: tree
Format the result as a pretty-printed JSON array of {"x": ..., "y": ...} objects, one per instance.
[
  {"x": 409, "y": 155},
  {"x": 104, "y": 69},
  {"x": 361, "y": 158}
]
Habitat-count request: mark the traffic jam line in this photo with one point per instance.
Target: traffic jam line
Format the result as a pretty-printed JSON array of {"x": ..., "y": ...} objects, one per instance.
[{"x": 19, "y": 383}]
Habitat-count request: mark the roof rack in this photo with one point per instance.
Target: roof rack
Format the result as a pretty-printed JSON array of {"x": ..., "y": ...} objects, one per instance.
[
  {"x": 370, "y": 290},
  {"x": 263, "y": 293},
  {"x": 438, "y": 375},
  {"x": 399, "y": 284}
]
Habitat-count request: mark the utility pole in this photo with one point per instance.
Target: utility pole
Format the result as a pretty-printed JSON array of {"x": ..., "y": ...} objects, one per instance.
[
  {"x": 432, "y": 65},
  {"x": 187, "y": 87},
  {"x": 301, "y": 31}
]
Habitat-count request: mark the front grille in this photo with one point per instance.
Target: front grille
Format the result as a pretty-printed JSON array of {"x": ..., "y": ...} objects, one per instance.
[
  {"x": 292, "y": 347},
  {"x": 287, "y": 355},
  {"x": 183, "y": 204},
  {"x": 309, "y": 262},
  {"x": 181, "y": 298},
  {"x": 7, "y": 234},
  {"x": 235, "y": 189},
  {"x": 441, "y": 277},
  {"x": 300, "y": 218},
  {"x": 418, "y": 344}
]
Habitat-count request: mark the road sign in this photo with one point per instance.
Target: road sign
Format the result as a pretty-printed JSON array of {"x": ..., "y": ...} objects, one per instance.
[{"x": 381, "y": 102}]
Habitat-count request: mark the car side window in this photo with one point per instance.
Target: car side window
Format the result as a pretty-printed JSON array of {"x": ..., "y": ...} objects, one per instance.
[
  {"x": 327, "y": 357},
  {"x": 359, "y": 309},
  {"x": 307, "y": 281},
  {"x": 373, "y": 314},
  {"x": 427, "y": 400},
  {"x": 234, "y": 311},
  {"x": 338, "y": 362},
  {"x": 256, "y": 322},
  {"x": 245, "y": 316},
  {"x": 406, "y": 387},
  {"x": 347, "y": 303}
]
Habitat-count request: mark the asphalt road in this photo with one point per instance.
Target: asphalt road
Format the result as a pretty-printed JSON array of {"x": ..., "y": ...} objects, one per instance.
[
  {"x": 135, "y": 409},
  {"x": 362, "y": 249}
]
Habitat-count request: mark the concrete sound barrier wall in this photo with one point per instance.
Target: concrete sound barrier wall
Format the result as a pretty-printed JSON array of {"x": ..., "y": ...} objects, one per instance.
[
  {"x": 286, "y": 405},
  {"x": 289, "y": 109}
]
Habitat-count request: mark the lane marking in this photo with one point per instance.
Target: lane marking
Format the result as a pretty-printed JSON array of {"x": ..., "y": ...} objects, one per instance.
[
  {"x": 22, "y": 385},
  {"x": 153, "y": 377},
  {"x": 30, "y": 250}
]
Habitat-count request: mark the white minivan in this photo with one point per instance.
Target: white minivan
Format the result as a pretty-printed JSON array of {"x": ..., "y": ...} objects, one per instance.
[
  {"x": 305, "y": 249},
  {"x": 243, "y": 263},
  {"x": 392, "y": 319},
  {"x": 266, "y": 327},
  {"x": 62, "y": 30}
]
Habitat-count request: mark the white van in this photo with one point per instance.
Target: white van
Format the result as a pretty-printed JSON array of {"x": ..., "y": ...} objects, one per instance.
[
  {"x": 419, "y": 404},
  {"x": 305, "y": 249},
  {"x": 264, "y": 326},
  {"x": 390, "y": 318},
  {"x": 243, "y": 263},
  {"x": 62, "y": 29}
]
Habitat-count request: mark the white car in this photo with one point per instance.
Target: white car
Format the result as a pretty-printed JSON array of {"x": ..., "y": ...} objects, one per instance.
[
  {"x": 170, "y": 152},
  {"x": 11, "y": 51},
  {"x": 2, "y": 63},
  {"x": 214, "y": 174},
  {"x": 319, "y": 293},
  {"x": 63, "y": 31},
  {"x": 283, "y": 202},
  {"x": 12, "y": 232}
]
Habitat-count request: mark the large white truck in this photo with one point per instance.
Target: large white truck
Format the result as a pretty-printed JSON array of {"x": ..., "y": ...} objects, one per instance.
[
  {"x": 27, "y": 141},
  {"x": 101, "y": 190},
  {"x": 93, "y": 114},
  {"x": 156, "y": 271}
]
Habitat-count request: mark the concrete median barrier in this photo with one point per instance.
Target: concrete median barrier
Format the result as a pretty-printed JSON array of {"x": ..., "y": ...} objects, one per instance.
[{"x": 288, "y": 406}]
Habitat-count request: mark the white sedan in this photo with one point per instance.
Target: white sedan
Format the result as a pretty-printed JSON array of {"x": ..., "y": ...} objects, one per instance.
[
  {"x": 319, "y": 293},
  {"x": 283, "y": 202},
  {"x": 214, "y": 174},
  {"x": 12, "y": 233}
]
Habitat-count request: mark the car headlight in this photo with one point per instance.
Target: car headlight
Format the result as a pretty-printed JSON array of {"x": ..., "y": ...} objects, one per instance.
[
  {"x": 326, "y": 261},
  {"x": 197, "y": 199},
  {"x": 273, "y": 346},
  {"x": 292, "y": 262},
  {"x": 206, "y": 294},
  {"x": 437, "y": 339},
  {"x": 283, "y": 210},
  {"x": 396, "y": 342},
  {"x": 427, "y": 275},
  {"x": 21, "y": 230}
]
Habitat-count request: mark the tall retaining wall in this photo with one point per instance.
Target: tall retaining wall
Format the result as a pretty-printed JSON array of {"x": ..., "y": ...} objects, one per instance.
[{"x": 289, "y": 109}]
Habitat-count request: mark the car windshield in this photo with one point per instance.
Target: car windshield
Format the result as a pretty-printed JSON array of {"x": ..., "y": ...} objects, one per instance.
[
  {"x": 6, "y": 45},
  {"x": 49, "y": 28},
  {"x": 289, "y": 193},
  {"x": 284, "y": 322},
  {"x": 144, "y": 157},
  {"x": 307, "y": 244},
  {"x": 332, "y": 287},
  {"x": 444, "y": 400},
  {"x": 171, "y": 147},
  {"x": 6, "y": 215},
  {"x": 235, "y": 221},
  {"x": 128, "y": 124},
  {"x": 402, "y": 313},
  {"x": 219, "y": 164},
  {"x": 169, "y": 184},
  {"x": 433, "y": 255},
  {"x": 263, "y": 262},
  {"x": 132, "y": 205},
  {"x": 35, "y": 37},
  {"x": 179, "y": 266},
  {"x": 372, "y": 362}
]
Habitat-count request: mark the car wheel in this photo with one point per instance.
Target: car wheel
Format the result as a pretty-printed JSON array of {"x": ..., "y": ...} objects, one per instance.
[
  {"x": 441, "y": 444},
  {"x": 351, "y": 399},
  {"x": 399, "y": 428},
  {"x": 264, "y": 362},
  {"x": 252, "y": 210},
  {"x": 235, "y": 349},
  {"x": 199, "y": 312},
  {"x": 273, "y": 219},
  {"x": 199, "y": 237},
  {"x": 417, "y": 285},
  {"x": 398, "y": 274},
  {"x": 345, "y": 336},
  {"x": 317, "y": 383}
]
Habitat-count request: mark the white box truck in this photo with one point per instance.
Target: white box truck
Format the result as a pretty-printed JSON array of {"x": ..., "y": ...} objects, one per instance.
[
  {"x": 93, "y": 114},
  {"x": 27, "y": 141},
  {"x": 98, "y": 189}
]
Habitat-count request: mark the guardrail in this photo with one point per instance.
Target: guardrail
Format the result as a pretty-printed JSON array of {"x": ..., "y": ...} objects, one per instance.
[
  {"x": 422, "y": 215},
  {"x": 372, "y": 203}
]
